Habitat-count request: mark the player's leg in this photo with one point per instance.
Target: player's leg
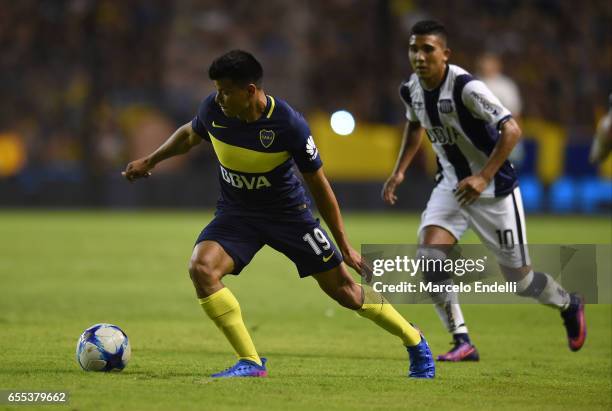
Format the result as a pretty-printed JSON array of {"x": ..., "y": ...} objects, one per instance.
[
  {"x": 435, "y": 243},
  {"x": 210, "y": 262},
  {"x": 442, "y": 224},
  {"x": 307, "y": 244},
  {"x": 488, "y": 217},
  {"x": 339, "y": 285},
  {"x": 208, "y": 265}
]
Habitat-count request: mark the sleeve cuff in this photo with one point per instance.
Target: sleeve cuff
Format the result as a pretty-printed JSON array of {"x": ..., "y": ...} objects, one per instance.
[
  {"x": 310, "y": 169},
  {"x": 501, "y": 122}
]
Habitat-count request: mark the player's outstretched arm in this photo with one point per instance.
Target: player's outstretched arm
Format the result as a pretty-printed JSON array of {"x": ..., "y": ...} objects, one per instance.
[
  {"x": 180, "y": 142},
  {"x": 470, "y": 188},
  {"x": 330, "y": 211},
  {"x": 410, "y": 145}
]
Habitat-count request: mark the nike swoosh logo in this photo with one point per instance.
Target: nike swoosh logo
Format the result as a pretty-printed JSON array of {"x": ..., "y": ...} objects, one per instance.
[
  {"x": 217, "y": 125},
  {"x": 326, "y": 259}
]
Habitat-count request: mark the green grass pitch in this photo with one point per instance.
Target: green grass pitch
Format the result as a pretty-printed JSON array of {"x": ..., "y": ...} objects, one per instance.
[{"x": 61, "y": 272}]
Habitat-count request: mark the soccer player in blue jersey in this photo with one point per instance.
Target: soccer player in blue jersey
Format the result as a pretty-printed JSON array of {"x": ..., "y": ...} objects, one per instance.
[
  {"x": 472, "y": 134},
  {"x": 258, "y": 140}
]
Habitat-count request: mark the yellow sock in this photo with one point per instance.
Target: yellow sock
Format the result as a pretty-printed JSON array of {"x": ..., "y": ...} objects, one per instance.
[
  {"x": 223, "y": 308},
  {"x": 377, "y": 309}
]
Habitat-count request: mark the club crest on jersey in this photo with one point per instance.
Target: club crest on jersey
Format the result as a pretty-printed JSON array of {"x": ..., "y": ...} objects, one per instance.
[
  {"x": 266, "y": 137},
  {"x": 445, "y": 106}
]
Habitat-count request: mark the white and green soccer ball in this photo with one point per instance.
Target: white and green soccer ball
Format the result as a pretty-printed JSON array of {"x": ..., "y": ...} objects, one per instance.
[{"x": 103, "y": 347}]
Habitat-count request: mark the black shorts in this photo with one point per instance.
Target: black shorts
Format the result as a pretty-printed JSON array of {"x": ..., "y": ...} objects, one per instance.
[{"x": 300, "y": 238}]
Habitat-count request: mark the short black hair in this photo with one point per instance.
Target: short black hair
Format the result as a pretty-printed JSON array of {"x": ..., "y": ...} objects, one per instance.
[
  {"x": 425, "y": 27},
  {"x": 237, "y": 65}
]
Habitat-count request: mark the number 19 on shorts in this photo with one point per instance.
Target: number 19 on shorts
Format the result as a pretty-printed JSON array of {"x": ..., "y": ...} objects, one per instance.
[{"x": 321, "y": 241}]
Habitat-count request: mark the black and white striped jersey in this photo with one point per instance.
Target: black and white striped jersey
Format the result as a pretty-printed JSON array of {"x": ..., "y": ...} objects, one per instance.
[{"x": 462, "y": 119}]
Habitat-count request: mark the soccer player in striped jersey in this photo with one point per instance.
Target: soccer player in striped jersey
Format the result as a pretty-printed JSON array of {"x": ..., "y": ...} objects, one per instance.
[
  {"x": 258, "y": 140},
  {"x": 472, "y": 134}
]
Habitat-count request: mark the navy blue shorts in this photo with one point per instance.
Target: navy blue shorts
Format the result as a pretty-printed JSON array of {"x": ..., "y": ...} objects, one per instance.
[{"x": 300, "y": 238}]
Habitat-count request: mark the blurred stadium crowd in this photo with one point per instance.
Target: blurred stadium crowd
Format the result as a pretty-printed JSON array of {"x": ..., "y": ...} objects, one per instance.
[{"x": 89, "y": 84}]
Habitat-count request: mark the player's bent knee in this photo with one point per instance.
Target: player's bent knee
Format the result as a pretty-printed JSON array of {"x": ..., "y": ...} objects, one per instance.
[
  {"x": 515, "y": 274},
  {"x": 203, "y": 270},
  {"x": 433, "y": 262}
]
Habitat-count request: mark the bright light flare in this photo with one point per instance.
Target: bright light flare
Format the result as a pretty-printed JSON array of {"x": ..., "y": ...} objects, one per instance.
[{"x": 342, "y": 122}]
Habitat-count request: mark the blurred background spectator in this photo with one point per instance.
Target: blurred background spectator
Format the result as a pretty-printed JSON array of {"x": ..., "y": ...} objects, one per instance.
[
  {"x": 489, "y": 69},
  {"x": 89, "y": 84}
]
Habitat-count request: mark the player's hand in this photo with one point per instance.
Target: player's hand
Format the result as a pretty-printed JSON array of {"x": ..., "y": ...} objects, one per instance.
[
  {"x": 388, "y": 191},
  {"x": 140, "y": 168},
  {"x": 354, "y": 260},
  {"x": 470, "y": 188}
]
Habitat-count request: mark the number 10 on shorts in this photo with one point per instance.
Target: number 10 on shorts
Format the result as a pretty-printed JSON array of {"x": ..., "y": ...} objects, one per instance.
[{"x": 323, "y": 242}]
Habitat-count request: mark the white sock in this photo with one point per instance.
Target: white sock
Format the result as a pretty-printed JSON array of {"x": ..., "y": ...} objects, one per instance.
[
  {"x": 448, "y": 309},
  {"x": 452, "y": 318},
  {"x": 543, "y": 288}
]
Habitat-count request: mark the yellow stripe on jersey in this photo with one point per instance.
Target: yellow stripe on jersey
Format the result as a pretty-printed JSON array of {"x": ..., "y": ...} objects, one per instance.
[
  {"x": 247, "y": 160},
  {"x": 272, "y": 104}
]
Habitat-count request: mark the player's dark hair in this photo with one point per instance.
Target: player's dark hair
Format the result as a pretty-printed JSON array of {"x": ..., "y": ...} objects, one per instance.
[
  {"x": 426, "y": 27},
  {"x": 237, "y": 65}
]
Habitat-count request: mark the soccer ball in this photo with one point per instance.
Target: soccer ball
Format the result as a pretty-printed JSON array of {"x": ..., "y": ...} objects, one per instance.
[{"x": 103, "y": 347}]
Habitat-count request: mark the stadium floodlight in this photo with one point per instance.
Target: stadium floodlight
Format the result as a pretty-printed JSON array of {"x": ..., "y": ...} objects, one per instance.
[{"x": 342, "y": 122}]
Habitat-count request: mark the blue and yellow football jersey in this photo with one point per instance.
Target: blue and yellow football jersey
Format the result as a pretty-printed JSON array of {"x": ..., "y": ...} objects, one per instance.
[{"x": 256, "y": 159}]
